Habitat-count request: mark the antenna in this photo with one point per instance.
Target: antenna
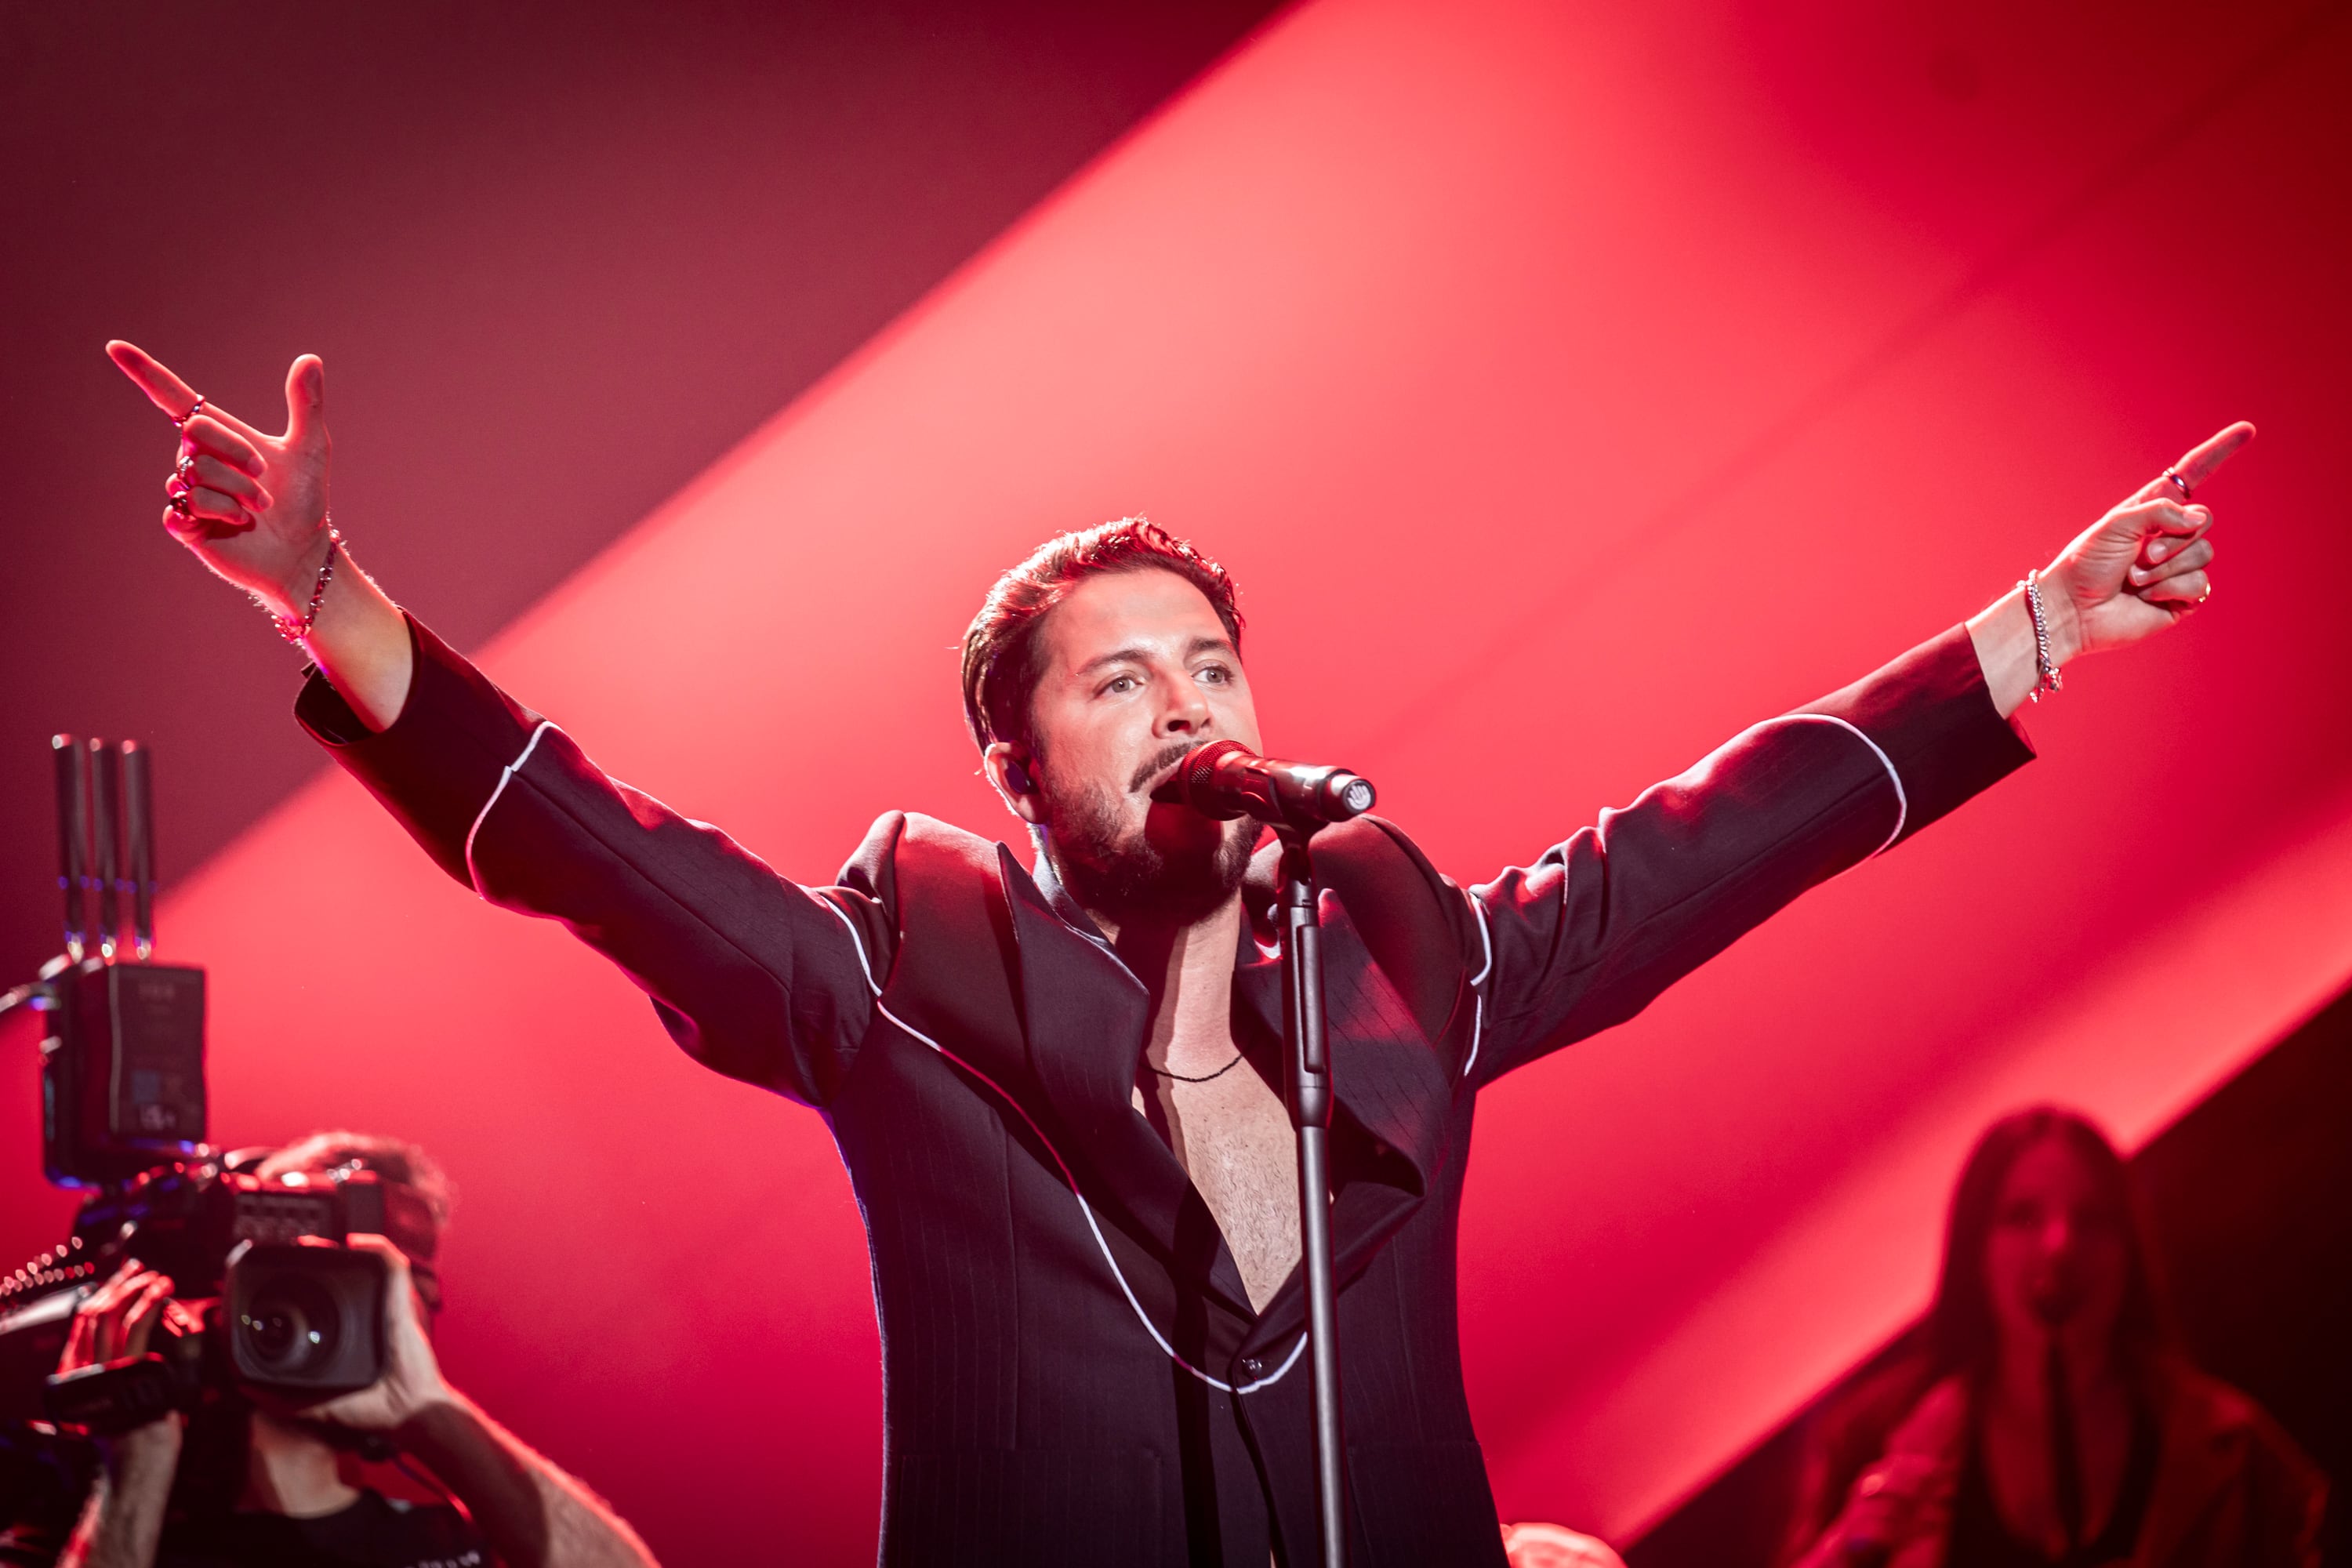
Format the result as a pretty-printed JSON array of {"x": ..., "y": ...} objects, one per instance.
[
  {"x": 106, "y": 838},
  {"x": 139, "y": 841},
  {"x": 122, "y": 1070},
  {"x": 73, "y": 838}
]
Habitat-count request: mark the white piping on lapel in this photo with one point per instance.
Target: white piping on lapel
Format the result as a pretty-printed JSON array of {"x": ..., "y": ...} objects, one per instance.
[
  {"x": 1084, "y": 1207},
  {"x": 1478, "y": 997}
]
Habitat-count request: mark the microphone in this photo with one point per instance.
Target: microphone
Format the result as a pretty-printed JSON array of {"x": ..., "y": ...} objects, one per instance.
[{"x": 1225, "y": 779}]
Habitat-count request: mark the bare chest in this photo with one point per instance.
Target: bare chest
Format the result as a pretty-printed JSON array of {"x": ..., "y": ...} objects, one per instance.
[{"x": 1235, "y": 1140}]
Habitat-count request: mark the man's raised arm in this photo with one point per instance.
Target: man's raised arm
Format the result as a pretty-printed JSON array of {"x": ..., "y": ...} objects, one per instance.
[
  {"x": 755, "y": 977},
  {"x": 1604, "y": 921}
]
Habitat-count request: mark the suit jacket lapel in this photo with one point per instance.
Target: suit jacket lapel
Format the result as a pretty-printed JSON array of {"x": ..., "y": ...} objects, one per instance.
[
  {"x": 1386, "y": 1077},
  {"x": 1085, "y": 1017}
]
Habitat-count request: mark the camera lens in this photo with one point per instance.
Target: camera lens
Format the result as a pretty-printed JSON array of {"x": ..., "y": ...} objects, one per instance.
[{"x": 289, "y": 1324}]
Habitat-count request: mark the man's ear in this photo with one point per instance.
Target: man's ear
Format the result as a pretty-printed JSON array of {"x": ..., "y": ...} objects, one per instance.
[{"x": 1013, "y": 773}]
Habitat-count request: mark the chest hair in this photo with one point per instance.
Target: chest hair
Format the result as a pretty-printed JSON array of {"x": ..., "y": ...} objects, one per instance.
[{"x": 1233, "y": 1138}]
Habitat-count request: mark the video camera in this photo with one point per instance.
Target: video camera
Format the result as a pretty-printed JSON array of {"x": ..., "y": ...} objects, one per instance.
[{"x": 285, "y": 1307}]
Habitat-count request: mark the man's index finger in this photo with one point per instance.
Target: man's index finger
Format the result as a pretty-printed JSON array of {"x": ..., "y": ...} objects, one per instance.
[
  {"x": 2199, "y": 465},
  {"x": 167, "y": 391},
  {"x": 164, "y": 390}
]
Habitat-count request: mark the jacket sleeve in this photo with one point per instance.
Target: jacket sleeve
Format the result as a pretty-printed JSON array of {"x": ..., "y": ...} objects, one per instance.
[
  {"x": 1600, "y": 924},
  {"x": 754, "y": 976}
]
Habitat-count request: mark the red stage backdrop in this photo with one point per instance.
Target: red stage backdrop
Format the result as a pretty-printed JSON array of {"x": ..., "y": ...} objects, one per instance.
[{"x": 1565, "y": 391}]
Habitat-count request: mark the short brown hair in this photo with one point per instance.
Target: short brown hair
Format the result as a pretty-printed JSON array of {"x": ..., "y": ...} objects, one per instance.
[
  {"x": 1000, "y": 665},
  {"x": 418, "y": 1197}
]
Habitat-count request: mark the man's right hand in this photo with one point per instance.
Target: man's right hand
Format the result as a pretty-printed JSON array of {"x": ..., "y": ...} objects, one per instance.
[{"x": 252, "y": 507}]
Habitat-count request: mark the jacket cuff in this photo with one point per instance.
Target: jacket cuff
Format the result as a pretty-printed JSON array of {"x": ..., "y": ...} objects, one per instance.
[
  {"x": 439, "y": 763},
  {"x": 1932, "y": 717}
]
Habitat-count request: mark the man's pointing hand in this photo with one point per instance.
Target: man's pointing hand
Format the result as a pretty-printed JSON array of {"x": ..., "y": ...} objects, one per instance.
[
  {"x": 252, "y": 507},
  {"x": 2143, "y": 566}
]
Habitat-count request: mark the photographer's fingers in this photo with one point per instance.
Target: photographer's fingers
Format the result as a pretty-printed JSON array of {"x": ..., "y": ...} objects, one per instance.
[
  {"x": 81, "y": 1341},
  {"x": 382, "y": 1246},
  {"x": 108, "y": 1308},
  {"x": 400, "y": 1299},
  {"x": 140, "y": 1315},
  {"x": 103, "y": 1300}
]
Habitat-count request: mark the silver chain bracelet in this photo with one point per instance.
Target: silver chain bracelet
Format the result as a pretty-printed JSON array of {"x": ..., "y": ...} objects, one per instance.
[
  {"x": 2045, "y": 667},
  {"x": 294, "y": 630}
]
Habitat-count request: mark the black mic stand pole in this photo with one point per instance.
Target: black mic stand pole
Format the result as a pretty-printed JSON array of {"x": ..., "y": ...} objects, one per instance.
[{"x": 1306, "y": 1088}]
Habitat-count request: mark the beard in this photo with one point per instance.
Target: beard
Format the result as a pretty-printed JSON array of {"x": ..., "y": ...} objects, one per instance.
[{"x": 1124, "y": 874}]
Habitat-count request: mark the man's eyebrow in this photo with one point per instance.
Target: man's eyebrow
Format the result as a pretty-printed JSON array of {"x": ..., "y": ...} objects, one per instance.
[{"x": 1137, "y": 654}]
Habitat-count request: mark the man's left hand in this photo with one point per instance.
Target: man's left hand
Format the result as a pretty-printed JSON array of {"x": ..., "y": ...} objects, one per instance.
[{"x": 2144, "y": 565}]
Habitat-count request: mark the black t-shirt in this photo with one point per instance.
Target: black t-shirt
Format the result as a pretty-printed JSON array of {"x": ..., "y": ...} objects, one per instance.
[{"x": 373, "y": 1532}]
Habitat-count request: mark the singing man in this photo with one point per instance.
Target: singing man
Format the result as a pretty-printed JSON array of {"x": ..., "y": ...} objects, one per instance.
[{"x": 1056, "y": 1091}]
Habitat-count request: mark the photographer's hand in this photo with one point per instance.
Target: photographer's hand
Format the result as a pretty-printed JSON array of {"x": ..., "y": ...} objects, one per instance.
[
  {"x": 412, "y": 1382},
  {"x": 253, "y": 507},
  {"x": 534, "y": 1514},
  {"x": 123, "y": 1520}
]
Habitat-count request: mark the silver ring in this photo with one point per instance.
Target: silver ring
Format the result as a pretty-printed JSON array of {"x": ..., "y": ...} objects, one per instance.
[
  {"x": 2173, "y": 475},
  {"x": 194, "y": 409},
  {"x": 185, "y": 466}
]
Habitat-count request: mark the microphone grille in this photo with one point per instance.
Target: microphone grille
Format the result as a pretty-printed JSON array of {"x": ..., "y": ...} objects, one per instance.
[{"x": 1201, "y": 762}]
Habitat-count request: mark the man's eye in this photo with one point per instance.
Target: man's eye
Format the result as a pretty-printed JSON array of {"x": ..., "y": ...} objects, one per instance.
[
  {"x": 1122, "y": 684},
  {"x": 1215, "y": 674}
]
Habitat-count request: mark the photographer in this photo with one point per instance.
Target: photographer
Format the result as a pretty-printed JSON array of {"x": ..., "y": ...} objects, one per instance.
[{"x": 241, "y": 1482}]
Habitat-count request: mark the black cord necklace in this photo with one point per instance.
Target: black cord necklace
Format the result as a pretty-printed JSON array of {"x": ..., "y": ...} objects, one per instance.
[{"x": 1204, "y": 1078}]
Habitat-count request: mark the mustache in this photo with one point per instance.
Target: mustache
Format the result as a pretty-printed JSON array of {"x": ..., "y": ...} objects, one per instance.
[{"x": 1167, "y": 757}]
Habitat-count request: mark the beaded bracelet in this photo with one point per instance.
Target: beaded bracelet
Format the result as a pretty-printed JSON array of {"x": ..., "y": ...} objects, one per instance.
[
  {"x": 294, "y": 630},
  {"x": 2045, "y": 668}
]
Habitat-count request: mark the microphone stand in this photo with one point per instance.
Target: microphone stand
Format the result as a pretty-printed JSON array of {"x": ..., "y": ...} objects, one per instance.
[{"x": 1306, "y": 1090}]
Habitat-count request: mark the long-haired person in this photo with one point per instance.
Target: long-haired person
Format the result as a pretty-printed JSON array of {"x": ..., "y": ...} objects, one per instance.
[{"x": 2050, "y": 1417}]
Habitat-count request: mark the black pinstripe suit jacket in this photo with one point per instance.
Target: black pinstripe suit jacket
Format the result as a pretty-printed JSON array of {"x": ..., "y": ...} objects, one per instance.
[{"x": 1072, "y": 1370}]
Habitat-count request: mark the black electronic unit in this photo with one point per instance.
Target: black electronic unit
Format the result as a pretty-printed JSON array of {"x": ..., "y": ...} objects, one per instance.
[{"x": 122, "y": 1070}]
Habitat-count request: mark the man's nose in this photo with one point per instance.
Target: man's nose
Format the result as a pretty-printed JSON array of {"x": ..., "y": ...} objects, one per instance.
[{"x": 1182, "y": 711}]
